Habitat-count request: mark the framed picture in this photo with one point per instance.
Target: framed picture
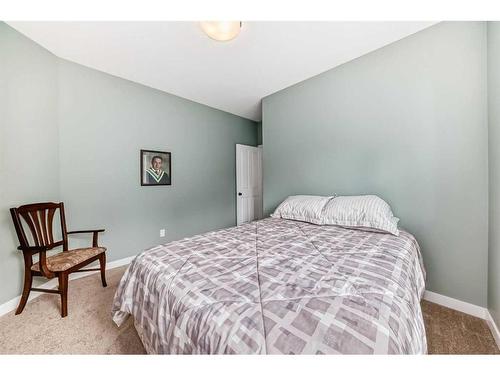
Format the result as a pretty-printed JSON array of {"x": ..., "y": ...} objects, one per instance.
[{"x": 156, "y": 168}]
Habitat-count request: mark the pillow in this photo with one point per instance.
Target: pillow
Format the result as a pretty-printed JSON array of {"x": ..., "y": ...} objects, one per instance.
[
  {"x": 306, "y": 208},
  {"x": 367, "y": 212}
]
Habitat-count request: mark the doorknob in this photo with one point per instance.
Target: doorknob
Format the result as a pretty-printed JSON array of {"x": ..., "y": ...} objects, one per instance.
[{"x": 240, "y": 194}]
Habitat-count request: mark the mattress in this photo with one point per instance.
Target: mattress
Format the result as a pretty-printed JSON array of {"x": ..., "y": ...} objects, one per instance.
[{"x": 277, "y": 286}]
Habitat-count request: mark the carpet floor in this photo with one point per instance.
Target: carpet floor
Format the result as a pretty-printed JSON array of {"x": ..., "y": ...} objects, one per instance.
[{"x": 88, "y": 328}]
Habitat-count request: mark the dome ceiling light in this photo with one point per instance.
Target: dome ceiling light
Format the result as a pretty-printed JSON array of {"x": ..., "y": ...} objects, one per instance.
[{"x": 222, "y": 31}]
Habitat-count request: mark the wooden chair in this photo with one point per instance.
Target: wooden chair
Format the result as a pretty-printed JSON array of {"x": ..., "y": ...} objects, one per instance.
[{"x": 39, "y": 218}]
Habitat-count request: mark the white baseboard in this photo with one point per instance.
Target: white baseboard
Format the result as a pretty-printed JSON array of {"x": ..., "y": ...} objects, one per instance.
[
  {"x": 53, "y": 283},
  {"x": 493, "y": 328},
  {"x": 455, "y": 304}
]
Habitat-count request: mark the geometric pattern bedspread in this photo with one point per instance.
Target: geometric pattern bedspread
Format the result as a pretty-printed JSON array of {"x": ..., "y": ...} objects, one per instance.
[{"x": 278, "y": 286}]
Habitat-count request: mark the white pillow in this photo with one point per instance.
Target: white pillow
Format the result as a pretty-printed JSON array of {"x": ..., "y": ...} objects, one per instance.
[
  {"x": 306, "y": 208},
  {"x": 367, "y": 212}
]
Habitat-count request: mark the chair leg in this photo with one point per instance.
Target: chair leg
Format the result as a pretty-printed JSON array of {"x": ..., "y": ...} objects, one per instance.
[
  {"x": 63, "y": 288},
  {"x": 28, "y": 279},
  {"x": 102, "y": 262}
]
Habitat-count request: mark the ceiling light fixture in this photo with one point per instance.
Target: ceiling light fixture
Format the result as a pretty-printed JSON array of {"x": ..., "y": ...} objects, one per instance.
[{"x": 221, "y": 30}]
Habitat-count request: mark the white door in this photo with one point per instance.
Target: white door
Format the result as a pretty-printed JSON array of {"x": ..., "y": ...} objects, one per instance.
[{"x": 248, "y": 183}]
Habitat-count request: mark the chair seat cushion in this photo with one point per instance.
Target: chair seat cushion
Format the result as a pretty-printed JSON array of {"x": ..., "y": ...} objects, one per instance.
[{"x": 65, "y": 260}]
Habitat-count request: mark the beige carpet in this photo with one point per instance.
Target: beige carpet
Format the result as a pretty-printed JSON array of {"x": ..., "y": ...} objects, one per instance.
[
  {"x": 452, "y": 332},
  {"x": 88, "y": 329}
]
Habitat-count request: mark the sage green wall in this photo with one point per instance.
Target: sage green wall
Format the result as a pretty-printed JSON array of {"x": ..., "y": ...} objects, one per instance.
[
  {"x": 407, "y": 122},
  {"x": 105, "y": 121},
  {"x": 73, "y": 134},
  {"x": 29, "y": 149},
  {"x": 259, "y": 133},
  {"x": 494, "y": 167}
]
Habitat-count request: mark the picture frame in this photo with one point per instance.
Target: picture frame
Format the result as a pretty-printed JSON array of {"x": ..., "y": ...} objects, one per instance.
[{"x": 156, "y": 168}]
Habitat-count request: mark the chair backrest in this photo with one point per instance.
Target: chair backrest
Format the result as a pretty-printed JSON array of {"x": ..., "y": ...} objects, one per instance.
[{"x": 39, "y": 218}]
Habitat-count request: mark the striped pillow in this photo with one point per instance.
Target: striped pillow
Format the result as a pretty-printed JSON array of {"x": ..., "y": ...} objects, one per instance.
[
  {"x": 367, "y": 212},
  {"x": 306, "y": 208}
]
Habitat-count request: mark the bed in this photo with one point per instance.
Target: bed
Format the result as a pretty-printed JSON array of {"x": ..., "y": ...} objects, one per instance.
[{"x": 277, "y": 286}]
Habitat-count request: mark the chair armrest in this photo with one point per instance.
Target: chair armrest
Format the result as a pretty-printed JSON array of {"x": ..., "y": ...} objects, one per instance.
[
  {"x": 94, "y": 236},
  {"x": 85, "y": 231},
  {"x": 35, "y": 249}
]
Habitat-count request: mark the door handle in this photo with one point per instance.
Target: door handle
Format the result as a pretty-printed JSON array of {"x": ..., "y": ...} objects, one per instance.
[{"x": 240, "y": 194}]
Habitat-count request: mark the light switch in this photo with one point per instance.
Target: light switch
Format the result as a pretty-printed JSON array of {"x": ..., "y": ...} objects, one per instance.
[{"x": 162, "y": 232}]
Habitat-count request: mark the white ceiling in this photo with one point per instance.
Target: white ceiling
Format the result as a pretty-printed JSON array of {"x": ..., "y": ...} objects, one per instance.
[{"x": 177, "y": 57}]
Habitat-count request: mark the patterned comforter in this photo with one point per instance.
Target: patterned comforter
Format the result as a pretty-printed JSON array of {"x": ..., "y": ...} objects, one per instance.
[{"x": 278, "y": 286}]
